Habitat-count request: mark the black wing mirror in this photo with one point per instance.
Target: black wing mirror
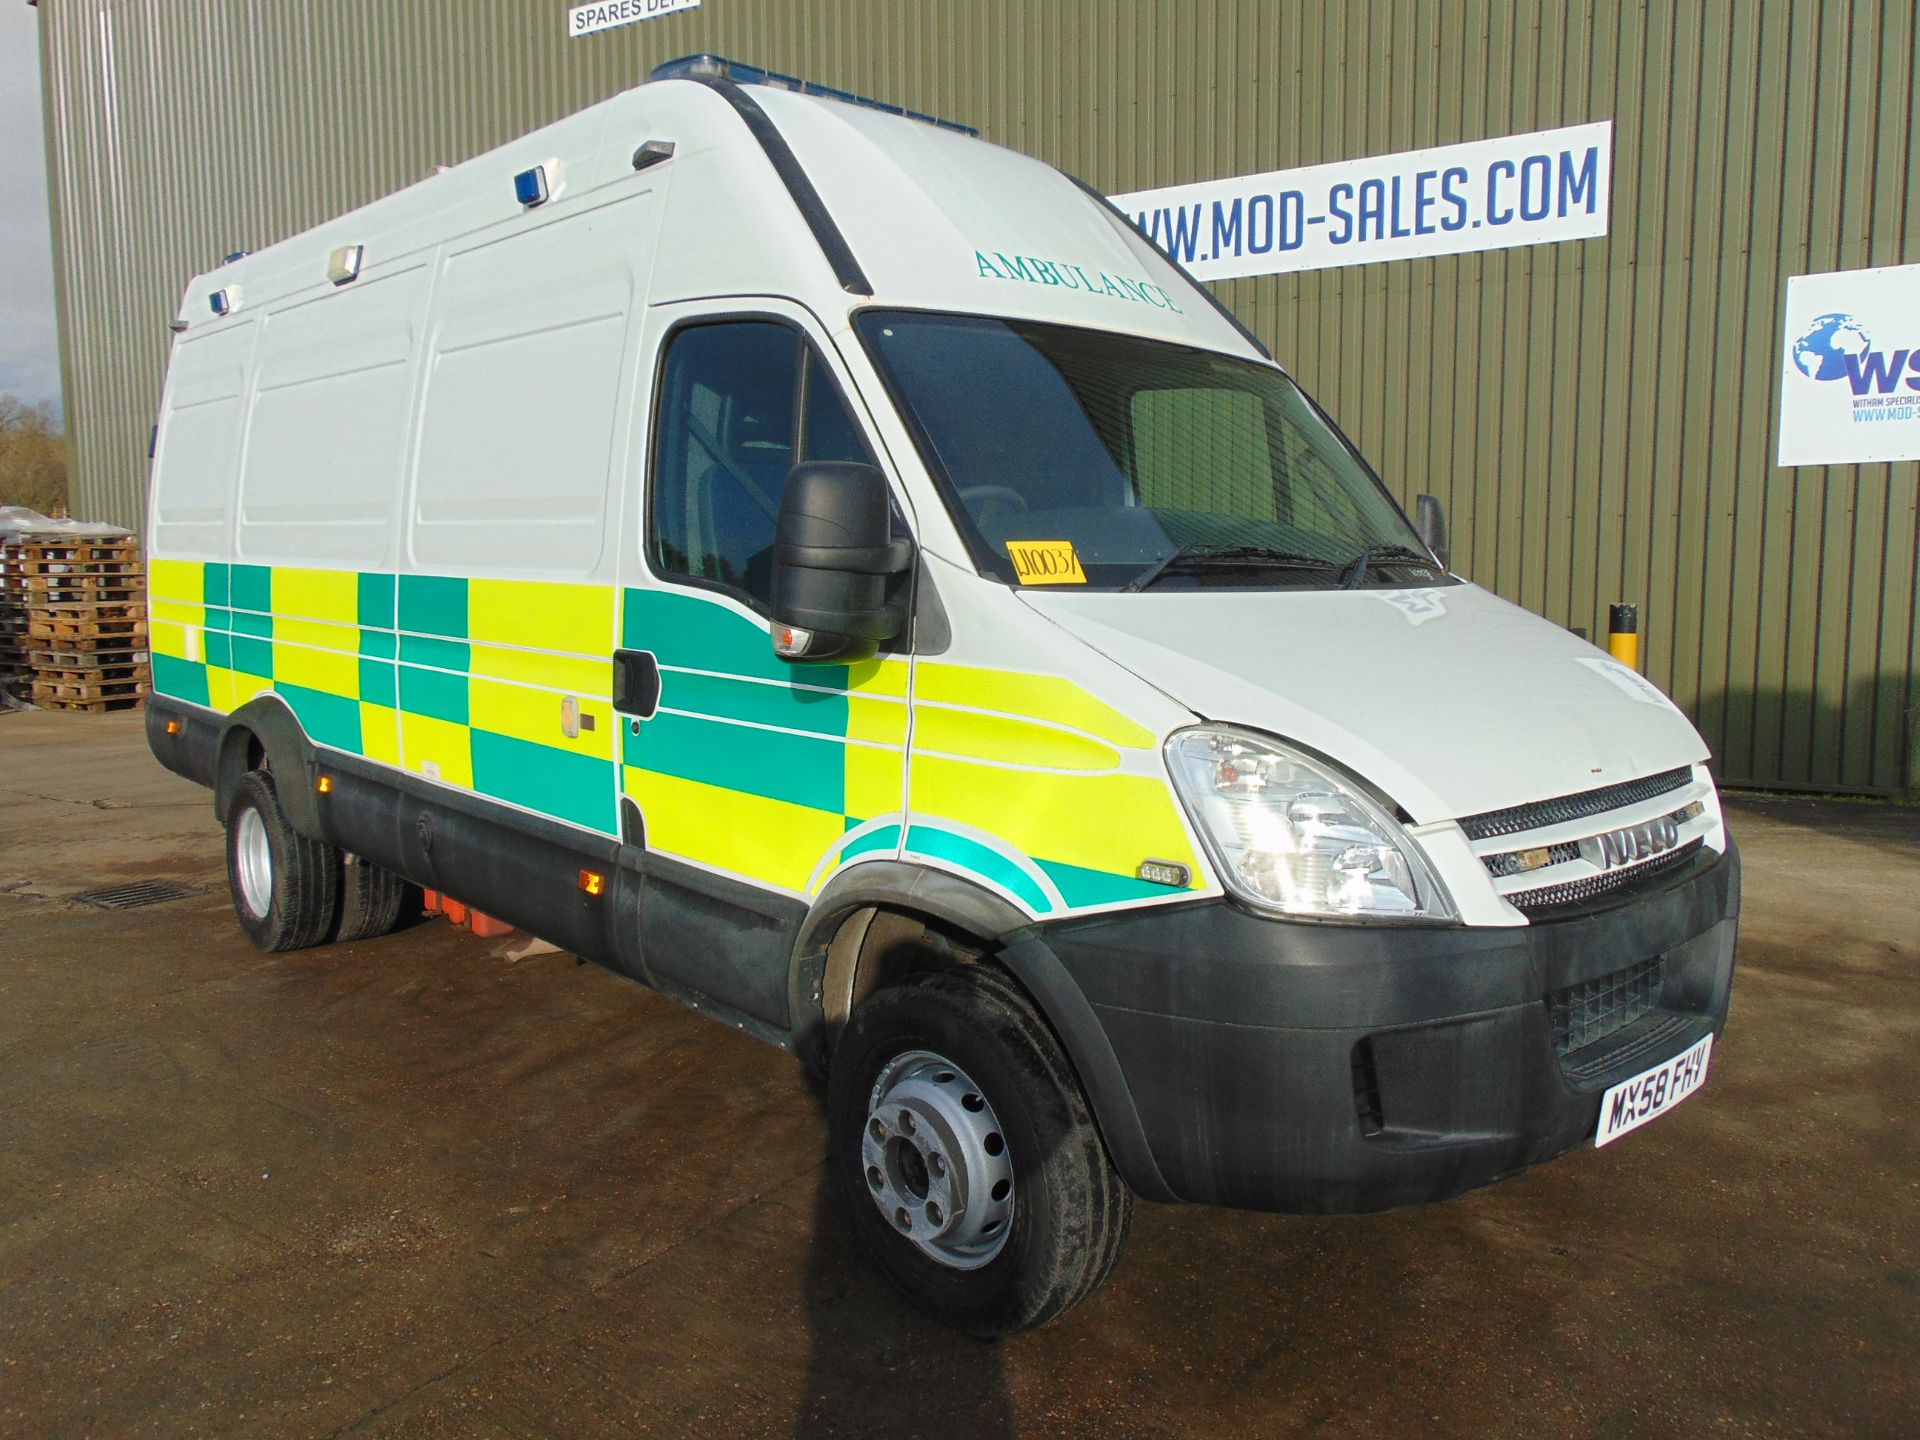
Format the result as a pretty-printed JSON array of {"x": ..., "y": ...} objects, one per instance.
[
  {"x": 833, "y": 553},
  {"x": 1430, "y": 522}
]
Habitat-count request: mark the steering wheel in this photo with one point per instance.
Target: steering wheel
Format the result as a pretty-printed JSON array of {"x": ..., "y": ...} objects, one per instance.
[{"x": 989, "y": 496}]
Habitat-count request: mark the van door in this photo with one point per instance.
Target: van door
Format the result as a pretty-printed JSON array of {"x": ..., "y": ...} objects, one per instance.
[{"x": 748, "y": 779}]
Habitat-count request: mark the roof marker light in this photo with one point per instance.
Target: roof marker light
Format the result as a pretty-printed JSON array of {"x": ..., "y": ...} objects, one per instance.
[
  {"x": 718, "y": 67},
  {"x": 344, "y": 264},
  {"x": 236, "y": 255},
  {"x": 530, "y": 186},
  {"x": 652, "y": 153},
  {"x": 224, "y": 302}
]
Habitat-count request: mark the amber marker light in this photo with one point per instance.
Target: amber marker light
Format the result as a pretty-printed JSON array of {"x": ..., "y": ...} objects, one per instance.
[
  {"x": 324, "y": 784},
  {"x": 593, "y": 882},
  {"x": 173, "y": 727}
]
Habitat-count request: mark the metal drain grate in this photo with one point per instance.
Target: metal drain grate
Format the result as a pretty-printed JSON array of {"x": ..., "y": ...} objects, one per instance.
[{"x": 136, "y": 895}]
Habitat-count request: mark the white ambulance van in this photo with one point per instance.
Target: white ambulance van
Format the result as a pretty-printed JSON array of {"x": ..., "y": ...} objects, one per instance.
[{"x": 840, "y": 574}]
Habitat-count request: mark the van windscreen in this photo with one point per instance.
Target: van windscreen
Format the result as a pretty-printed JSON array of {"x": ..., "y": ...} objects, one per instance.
[{"x": 1161, "y": 465}]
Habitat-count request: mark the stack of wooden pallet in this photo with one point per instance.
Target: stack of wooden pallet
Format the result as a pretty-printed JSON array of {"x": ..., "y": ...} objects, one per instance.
[
  {"x": 16, "y": 666},
  {"x": 73, "y": 621}
]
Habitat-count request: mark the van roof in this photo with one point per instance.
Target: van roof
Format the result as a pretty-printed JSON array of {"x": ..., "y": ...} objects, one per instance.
[{"x": 772, "y": 191}]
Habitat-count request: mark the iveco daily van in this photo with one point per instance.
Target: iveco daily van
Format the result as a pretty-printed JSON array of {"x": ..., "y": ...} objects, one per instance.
[{"x": 839, "y": 573}]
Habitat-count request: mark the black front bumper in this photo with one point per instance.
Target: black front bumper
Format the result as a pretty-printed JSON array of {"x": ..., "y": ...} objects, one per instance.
[{"x": 1238, "y": 1060}]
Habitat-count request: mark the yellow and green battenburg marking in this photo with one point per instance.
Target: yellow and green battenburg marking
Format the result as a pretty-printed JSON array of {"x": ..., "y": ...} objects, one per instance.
[
  {"x": 435, "y": 673},
  {"x": 751, "y": 766}
]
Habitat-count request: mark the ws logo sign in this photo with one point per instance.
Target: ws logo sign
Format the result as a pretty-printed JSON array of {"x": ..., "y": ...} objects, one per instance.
[
  {"x": 1850, "y": 381},
  {"x": 1838, "y": 347}
]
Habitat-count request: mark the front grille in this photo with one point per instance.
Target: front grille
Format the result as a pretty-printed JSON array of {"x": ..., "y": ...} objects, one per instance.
[
  {"x": 1518, "y": 818},
  {"x": 1575, "y": 892},
  {"x": 1589, "y": 1012},
  {"x": 1653, "y": 1037},
  {"x": 1501, "y": 866},
  {"x": 1508, "y": 862}
]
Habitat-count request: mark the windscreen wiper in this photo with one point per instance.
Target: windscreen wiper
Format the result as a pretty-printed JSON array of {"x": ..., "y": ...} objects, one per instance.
[
  {"x": 1357, "y": 569},
  {"x": 1202, "y": 555}
]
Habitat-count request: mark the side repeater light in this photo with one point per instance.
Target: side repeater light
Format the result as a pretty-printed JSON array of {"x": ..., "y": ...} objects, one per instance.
[
  {"x": 1165, "y": 872},
  {"x": 790, "y": 642},
  {"x": 592, "y": 882}
]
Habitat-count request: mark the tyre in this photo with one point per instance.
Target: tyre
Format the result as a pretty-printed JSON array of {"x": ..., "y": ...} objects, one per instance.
[
  {"x": 372, "y": 899},
  {"x": 286, "y": 888},
  {"x": 968, "y": 1154}
]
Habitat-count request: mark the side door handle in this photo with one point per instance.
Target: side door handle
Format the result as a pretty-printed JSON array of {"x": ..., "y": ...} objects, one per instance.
[{"x": 636, "y": 683}]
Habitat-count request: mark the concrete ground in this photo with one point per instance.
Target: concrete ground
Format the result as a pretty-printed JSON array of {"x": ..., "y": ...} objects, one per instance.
[{"x": 407, "y": 1188}]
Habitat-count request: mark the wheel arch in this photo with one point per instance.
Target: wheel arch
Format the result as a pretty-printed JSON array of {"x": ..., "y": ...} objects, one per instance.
[
  {"x": 265, "y": 733},
  {"x": 879, "y": 922}
]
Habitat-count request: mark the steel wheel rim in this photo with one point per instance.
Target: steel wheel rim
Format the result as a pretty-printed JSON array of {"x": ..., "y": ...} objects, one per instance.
[
  {"x": 253, "y": 859},
  {"x": 935, "y": 1161}
]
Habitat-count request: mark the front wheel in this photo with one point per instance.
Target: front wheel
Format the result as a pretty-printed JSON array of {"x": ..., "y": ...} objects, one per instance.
[{"x": 969, "y": 1156}]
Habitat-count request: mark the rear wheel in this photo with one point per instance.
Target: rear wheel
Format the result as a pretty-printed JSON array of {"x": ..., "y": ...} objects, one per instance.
[
  {"x": 372, "y": 899},
  {"x": 286, "y": 888},
  {"x": 975, "y": 1172}
]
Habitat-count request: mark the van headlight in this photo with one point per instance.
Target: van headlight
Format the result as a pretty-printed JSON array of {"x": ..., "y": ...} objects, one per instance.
[{"x": 1289, "y": 833}]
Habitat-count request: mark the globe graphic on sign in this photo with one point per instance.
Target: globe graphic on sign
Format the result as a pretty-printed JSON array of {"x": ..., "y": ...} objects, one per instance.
[{"x": 1822, "y": 353}]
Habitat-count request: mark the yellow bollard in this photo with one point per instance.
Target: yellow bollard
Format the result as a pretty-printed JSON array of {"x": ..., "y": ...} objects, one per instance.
[{"x": 1623, "y": 634}]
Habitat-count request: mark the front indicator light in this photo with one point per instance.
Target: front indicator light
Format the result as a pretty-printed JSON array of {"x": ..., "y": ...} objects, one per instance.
[{"x": 1289, "y": 833}]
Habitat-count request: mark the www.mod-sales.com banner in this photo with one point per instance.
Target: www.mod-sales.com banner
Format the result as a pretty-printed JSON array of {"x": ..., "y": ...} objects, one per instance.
[{"x": 1533, "y": 189}]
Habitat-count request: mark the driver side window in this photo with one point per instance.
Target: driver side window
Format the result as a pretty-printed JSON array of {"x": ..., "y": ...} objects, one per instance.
[{"x": 741, "y": 403}]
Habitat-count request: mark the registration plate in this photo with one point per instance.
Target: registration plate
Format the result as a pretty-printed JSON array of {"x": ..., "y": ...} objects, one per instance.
[{"x": 1632, "y": 1103}]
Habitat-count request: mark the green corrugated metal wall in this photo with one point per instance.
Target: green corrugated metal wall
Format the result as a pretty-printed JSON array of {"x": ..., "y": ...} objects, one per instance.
[{"x": 1599, "y": 416}]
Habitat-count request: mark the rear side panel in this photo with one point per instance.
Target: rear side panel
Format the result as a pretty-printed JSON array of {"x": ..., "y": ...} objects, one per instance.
[{"x": 433, "y": 674}]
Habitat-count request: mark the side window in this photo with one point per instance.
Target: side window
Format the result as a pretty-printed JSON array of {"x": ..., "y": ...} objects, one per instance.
[{"x": 741, "y": 403}]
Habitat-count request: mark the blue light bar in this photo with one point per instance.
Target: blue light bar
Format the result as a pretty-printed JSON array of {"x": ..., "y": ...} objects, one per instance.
[
  {"x": 530, "y": 186},
  {"x": 718, "y": 67}
]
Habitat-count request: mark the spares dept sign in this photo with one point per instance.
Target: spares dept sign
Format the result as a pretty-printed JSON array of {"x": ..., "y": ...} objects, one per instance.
[
  {"x": 605, "y": 14},
  {"x": 1487, "y": 195},
  {"x": 1850, "y": 372}
]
